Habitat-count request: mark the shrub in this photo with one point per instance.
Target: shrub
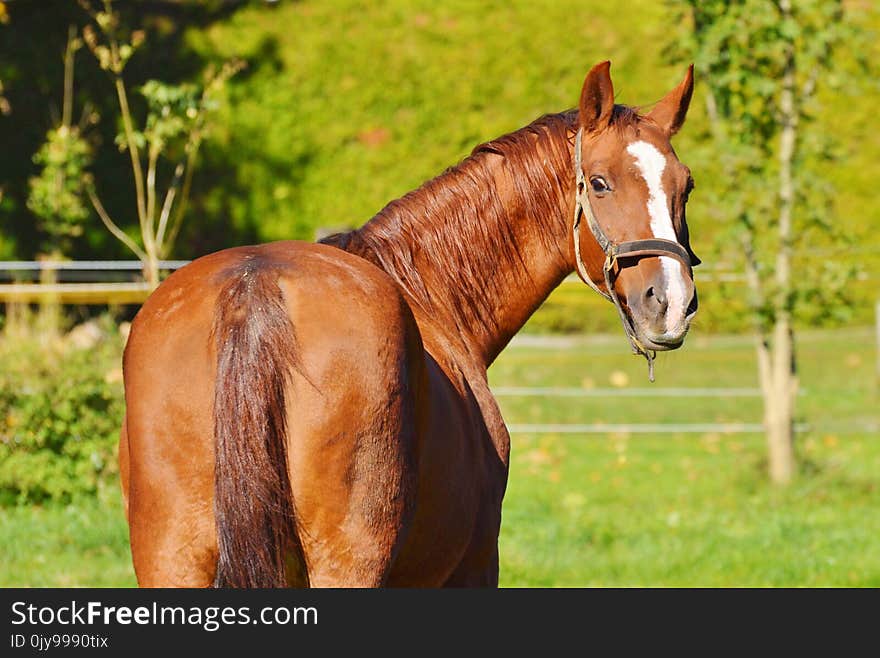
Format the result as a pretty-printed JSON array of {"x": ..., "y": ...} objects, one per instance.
[{"x": 60, "y": 414}]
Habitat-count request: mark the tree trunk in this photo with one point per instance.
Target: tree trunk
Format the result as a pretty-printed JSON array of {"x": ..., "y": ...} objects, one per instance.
[
  {"x": 781, "y": 389},
  {"x": 779, "y": 384},
  {"x": 49, "y": 310},
  {"x": 151, "y": 269}
]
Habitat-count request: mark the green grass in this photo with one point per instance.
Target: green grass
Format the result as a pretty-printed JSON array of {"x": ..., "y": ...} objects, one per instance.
[
  {"x": 79, "y": 545},
  {"x": 622, "y": 509},
  {"x": 691, "y": 509}
]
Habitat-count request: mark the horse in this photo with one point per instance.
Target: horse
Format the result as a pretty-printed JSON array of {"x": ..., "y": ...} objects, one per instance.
[{"x": 318, "y": 414}]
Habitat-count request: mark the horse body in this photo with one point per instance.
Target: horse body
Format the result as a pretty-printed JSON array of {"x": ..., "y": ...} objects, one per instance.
[
  {"x": 319, "y": 414},
  {"x": 391, "y": 445}
]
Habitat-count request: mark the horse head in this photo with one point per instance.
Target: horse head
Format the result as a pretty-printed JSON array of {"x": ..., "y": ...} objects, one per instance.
[{"x": 629, "y": 238}]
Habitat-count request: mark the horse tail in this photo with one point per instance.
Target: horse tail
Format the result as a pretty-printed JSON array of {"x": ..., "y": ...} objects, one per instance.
[{"x": 253, "y": 503}]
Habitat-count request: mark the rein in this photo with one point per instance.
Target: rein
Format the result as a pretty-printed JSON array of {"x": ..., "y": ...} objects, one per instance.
[{"x": 630, "y": 249}]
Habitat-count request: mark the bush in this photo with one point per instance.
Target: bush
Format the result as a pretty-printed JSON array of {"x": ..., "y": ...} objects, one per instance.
[{"x": 60, "y": 413}]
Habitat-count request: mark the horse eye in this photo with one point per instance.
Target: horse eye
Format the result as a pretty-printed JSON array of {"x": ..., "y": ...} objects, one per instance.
[{"x": 599, "y": 185}]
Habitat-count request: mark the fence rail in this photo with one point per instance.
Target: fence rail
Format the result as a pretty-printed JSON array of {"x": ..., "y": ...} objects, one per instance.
[
  {"x": 74, "y": 293},
  {"x": 640, "y": 428},
  {"x": 134, "y": 292},
  {"x": 867, "y": 426},
  {"x": 671, "y": 392},
  {"x": 98, "y": 290},
  {"x": 70, "y": 284},
  {"x": 84, "y": 265}
]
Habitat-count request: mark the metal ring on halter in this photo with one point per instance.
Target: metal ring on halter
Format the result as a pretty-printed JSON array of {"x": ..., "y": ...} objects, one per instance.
[{"x": 631, "y": 249}]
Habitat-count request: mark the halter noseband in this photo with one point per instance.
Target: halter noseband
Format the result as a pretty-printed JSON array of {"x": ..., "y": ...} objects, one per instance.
[{"x": 631, "y": 249}]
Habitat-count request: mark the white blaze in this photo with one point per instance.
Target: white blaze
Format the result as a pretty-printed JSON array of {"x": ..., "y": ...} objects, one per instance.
[{"x": 651, "y": 164}]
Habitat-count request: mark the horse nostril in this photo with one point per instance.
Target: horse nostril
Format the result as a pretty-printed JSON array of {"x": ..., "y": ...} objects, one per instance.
[{"x": 656, "y": 298}]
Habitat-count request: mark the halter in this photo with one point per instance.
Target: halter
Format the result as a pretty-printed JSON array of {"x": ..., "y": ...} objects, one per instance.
[{"x": 631, "y": 249}]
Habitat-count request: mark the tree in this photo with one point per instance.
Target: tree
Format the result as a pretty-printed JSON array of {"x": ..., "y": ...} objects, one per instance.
[
  {"x": 761, "y": 63},
  {"x": 175, "y": 125},
  {"x": 56, "y": 192}
]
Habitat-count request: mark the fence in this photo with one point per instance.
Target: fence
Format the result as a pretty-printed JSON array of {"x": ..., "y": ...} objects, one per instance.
[
  {"x": 91, "y": 284},
  {"x": 96, "y": 289},
  {"x": 531, "y": 399},
  {"x": 631, "y": 428}
]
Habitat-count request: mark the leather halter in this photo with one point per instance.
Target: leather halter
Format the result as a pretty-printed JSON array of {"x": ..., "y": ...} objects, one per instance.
[{"x": 631, "y": 249}]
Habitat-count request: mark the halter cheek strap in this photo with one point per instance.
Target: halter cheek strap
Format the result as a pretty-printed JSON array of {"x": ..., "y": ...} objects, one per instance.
[{"x": 631, "y": 249}]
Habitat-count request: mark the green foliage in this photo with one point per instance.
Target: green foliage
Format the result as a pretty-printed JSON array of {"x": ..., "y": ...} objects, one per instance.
[
  {"x": 346, "y": 105},
  {"x": 177, "y": 115},
  {"x": 742, "y": 53},
  {"x": 174, "y": 128},
  {"x": 120, "y": 44},
  {"x": 56, "y": 193},
  {"x": 60, "y": 413},
  {"x": 172, "y": 112}
]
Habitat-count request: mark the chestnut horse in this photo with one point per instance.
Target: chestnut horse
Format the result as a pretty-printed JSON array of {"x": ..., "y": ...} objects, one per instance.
[{"x": 319, "y": 414}]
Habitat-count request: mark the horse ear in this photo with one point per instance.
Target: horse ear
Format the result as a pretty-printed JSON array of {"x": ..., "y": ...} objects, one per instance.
[
  {"x": 670, "y": 113},
  {"x": 597, "y": 98}
]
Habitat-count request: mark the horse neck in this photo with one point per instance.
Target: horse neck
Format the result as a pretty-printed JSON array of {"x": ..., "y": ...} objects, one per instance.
[{"x": 479, "y": 248}]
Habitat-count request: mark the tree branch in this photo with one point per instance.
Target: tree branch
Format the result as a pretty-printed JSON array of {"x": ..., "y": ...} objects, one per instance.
[
  {"x": 117, "y": 232},
  {"x": 753, "y": 277},
  {"x": 152, "y": 160},
  {"x": 67, "y": 102},
  {"x": 177, "y": 221},
  {"x": 166, "y": 208},
  {"x": 132, "y": 150},
  {"x": 810, "y": 85}
]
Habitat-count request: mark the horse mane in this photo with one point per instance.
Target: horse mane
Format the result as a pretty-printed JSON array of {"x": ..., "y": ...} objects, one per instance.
[{"x": 460, "y": 228}]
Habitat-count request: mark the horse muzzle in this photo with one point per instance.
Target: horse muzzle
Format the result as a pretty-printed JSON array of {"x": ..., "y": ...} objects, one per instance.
[{"x": 661, "y": 321}]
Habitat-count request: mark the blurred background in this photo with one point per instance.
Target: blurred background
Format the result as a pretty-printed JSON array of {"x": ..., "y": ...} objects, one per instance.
[{"x": 139, "y": 135}]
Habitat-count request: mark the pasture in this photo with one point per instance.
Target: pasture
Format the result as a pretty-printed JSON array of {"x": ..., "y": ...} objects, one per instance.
[
  {"x": 343, "y": 106},
  {"x": 621, "y": 508}
]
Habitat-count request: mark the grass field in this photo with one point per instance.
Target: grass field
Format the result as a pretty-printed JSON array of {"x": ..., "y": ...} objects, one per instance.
[
  {"x": 618, "y": 509},
  {"x": 692, "y": 509}
]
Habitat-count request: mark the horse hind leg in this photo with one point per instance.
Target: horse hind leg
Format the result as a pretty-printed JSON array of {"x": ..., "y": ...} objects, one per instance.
[
  {"x": 171, "y": 517},
  {"x": 352, "y": 442},
  {"x": 173, "y": 523},
  {"x": 167, "y": 459},
  {"x": 352, "y": 504}
]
